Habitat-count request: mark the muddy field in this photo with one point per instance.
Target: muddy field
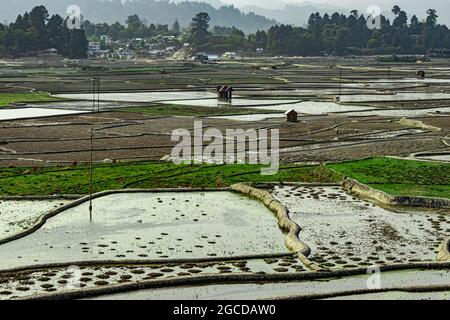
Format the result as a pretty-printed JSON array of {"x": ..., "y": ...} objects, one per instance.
[
  {"x": 375, "y": 97},
  {"x": 120, "y": 136},
  {"x": 140, "y": 238}
]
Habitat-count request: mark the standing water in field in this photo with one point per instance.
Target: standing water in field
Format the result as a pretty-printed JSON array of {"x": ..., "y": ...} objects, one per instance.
[{"x": 155, "y": 226}]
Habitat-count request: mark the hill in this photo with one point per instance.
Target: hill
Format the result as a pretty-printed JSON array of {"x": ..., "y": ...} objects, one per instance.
[{"x": 162, "y": 12}]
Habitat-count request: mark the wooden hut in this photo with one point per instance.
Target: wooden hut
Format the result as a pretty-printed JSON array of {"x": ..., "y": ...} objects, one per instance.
[
  {"x": 225, "y": 92},
  {"x": 291, "y": 116},
  {"x": 420, "y": 74}
]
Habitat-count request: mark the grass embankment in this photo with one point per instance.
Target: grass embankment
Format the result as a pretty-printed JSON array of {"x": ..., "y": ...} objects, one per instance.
[
  {"x": 397, "y": 177},
  {"x": 187, "y": 111},
  {"x": 7, "y": 98},
  {"x": 74, "y": 180},
  {"x": 400, "y": 177}
]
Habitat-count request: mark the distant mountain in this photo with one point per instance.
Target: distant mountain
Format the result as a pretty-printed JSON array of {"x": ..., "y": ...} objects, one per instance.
[
  {"x": 153, "y": 11},
  {"x": 215, "y": 3},
  {"x": 294, "y": 14}
]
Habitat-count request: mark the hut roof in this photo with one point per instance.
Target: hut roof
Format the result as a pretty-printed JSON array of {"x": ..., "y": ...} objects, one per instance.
[
  {"x": 290, "y": 111},
  {"x": 224, "y": 88}
]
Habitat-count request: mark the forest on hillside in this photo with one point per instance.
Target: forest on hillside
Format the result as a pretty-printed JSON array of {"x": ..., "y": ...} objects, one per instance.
[
  {"x": 337, "y": 34},
  {"x": 349, "y": 34},
  {"x": 36, "y": 30},
  {"x": 152, "y": 11}
]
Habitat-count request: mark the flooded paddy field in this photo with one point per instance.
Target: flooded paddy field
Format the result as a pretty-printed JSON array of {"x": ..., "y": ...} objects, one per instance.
[
  {"x": 343, "y": 233},
  {"x": 399, "y": 96},
  {"x": 311, "y": 287},
  {"x": 271, "y": 104},
  {"x": 444, "y": 157},
  {"x": 315, "y": 107},
  {"x": 347, "y": 232},
  {"x": 155, "y": 226},
  {"x": 175, "y": 236},
  {"x": 324, "y": 108},
  {"x": 81, "y": 105},
  {"x": 31, "y": 283},
  {"x": 24, "y": 113},
  {"x": 19, "y": 215},
  {"x": 354, "y": 112},
  {"x": 208, "y": 99},
  {"x": 157, "y": 96}
]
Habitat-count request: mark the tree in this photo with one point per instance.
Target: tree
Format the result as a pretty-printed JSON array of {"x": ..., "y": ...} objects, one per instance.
[
  {"x": 261, "y": 39},
  {"x": 38, "y": 19},
  {"x": 431, "y": 18},
  {"x": 176, "y": 28},
  {"x": 415, "y": 27},
  {"x": 134, "y": 22},
  {"x": 135, "y": 27},
  {"x": 78, "y": 44},
  {"x": 26, "y": 20},
  {"x": 20, "y": 24},
  {"x": 199, "y": 29},
  {"x": 56, "y": 29},
  {"x": 401, "y": 20},
  {"x": 116, "y": 30},
  {"x": 396, "y": 10}
]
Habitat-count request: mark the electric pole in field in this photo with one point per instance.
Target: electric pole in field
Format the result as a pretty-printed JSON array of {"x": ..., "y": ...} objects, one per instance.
[
  {"x": 95, "y": 107},
  {"x": 340, "y": 89}
]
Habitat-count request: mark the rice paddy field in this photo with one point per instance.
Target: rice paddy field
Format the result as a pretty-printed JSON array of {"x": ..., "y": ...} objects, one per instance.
[{"x": 161, "y": 230}]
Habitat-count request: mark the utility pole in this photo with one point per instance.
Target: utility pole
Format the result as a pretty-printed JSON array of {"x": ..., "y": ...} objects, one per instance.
[
  {"x": 340, "y": 85},
  {"x": 95, "y": 106},
  {"x": 91, "y": 176}
]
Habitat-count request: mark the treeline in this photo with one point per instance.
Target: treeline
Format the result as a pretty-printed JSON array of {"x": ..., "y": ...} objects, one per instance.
[
  {"x": 341, "y": 34},
  {"x": 134, "y": 28},
  {"x": 336, "y": 34},
  {"x": 36, "y": 31}
]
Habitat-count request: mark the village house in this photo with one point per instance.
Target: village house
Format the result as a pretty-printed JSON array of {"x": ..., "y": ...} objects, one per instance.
[
  {"x": 124, "y": 54},
  {"x": 156, "y": 54},
  {"x": 201, "y": 57},
  {"x": 106, "y": 40},
  {"x": 51, "y": 52},
  {"x": 213, "y": 58},
  {"x": 94, "y": 48},
  {"x": 230, "y": 55}
]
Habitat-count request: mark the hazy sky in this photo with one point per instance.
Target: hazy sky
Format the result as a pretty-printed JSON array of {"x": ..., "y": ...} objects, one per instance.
[
  {"x": 385, "y": 5},
  {"x": 276, "y": 3}
]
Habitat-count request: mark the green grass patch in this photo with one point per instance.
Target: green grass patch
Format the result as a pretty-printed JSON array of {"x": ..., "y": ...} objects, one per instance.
[
  {"x": 7, "y": 98},
  {"x": 397, "y": 177},
  {"x": 400, "y": 177},
  {"x": 75, "y": 179},
  {"x": 180, "y": 110},
  {"x": 151, "y": 70}
]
